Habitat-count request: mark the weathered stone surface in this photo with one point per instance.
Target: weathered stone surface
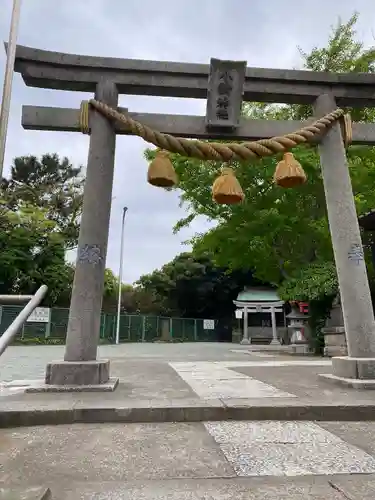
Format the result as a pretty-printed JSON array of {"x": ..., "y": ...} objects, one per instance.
[
  {"x": 331, "y": 351},
  {"x": 87, "y": 293},
  {"x": 345, "y": 367},
  {"x": 346, "y": 239},
  {"x": 224, "y": 95},
  {"x": 46, "y": 69},
  {"x": 192, "y": 127},
  {"x": 335, "y": 341},
  {"x": 355, "y": 487},
  {"x": 252, "y": 460},
  {"x": 34, "y": 493},
  {"x": 40, "y": 386},
  {"x": 287, "y": 448},
  {"x": 101, "y": 452},
  {"x": 269, "y": 488},
  {"x": 299, "y": 349},
  {"x": 356, "y": 368},
  {"x": 77, "y": 373},
  {"x": 151, "y": 390},
  {"x": 354, "y": 383}
]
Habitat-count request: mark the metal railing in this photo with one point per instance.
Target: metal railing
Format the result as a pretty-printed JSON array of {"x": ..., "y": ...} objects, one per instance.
[{"x": 32, "y": 302}]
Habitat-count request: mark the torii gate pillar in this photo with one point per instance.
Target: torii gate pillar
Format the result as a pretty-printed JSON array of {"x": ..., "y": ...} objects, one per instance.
[
  {"x": 80, "y": 366},
  {"x": 358, "y": 368}
]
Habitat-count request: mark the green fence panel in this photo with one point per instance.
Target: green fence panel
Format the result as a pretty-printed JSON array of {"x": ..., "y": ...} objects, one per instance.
[
  {"x": 108, "y": 327},
  {"x": 34, "y": 330},
  {"x": 8, "y": 315},
  {"x": 151, "y": 329},
  {"x": 133, "y": 327},
  {"x": 205, "y": 335},
  {"x": 59, "y": 323},
  {"x": 183, "y": 329}
]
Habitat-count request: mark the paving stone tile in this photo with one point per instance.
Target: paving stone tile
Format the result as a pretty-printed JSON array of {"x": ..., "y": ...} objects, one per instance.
[
  {"x": 206, "y": 489},
  {"x": 95, "y": 452},
  {"x": 269, "y": 432},
  {"x": 287, "y": 448}
]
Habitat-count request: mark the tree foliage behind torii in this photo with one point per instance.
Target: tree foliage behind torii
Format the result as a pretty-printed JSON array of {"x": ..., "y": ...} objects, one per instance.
[
  {"x": 192, "y": 286},
  {"x": 52, "y": 184}
]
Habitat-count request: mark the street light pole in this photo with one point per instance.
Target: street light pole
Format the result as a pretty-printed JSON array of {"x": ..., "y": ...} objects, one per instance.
[
  {"x": 125, "y": 209},
  {"x": 8, "y": 80}
]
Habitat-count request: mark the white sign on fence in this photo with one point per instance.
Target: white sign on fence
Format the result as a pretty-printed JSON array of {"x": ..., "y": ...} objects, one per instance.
[
  {"x": 209, "y": 324},
  {"x": 40, "y": 315}
]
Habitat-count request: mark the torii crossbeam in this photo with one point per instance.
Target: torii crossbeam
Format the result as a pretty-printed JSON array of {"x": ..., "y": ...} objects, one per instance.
[{"x": 107, "y": 77}]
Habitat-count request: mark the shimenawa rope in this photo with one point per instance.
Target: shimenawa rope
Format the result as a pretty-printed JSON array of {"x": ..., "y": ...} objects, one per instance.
[{"x": 215, "y": 150}]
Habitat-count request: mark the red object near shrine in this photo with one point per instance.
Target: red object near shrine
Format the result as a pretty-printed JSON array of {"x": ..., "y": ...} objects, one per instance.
[{"x": 303, "y": 307}]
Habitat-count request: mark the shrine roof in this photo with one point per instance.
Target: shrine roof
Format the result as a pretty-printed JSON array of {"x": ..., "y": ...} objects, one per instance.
[{"x": 258, "y": 295}]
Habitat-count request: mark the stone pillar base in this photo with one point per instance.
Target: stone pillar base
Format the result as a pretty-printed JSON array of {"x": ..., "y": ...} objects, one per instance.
[
  {"x": 358, "y": 373},
  {"x": 335, "y": 341},
  {"x": 75, "y": 376},
  {"x": 245, "y": 342},
  {"x": 77, "y": 372},
  {"x": 299, "y": 349}
]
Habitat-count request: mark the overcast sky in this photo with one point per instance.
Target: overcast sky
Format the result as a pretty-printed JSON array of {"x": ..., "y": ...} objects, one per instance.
[{"x": 264, "y": 33}]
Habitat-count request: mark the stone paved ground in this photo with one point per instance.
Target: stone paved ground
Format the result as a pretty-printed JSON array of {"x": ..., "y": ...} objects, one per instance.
[
  {"x": 261, "y": 459},
  {"x": 218, "y": 460}
]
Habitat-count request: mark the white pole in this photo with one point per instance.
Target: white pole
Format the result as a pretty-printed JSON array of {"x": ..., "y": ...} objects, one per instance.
[
  {"x": 17, "y": 323},
  {"x": 245, "y": 340},
  {"x": 8, "y": 80},
  {"x": 120, "y": 276},
  {"x": 275, "y": 340}
]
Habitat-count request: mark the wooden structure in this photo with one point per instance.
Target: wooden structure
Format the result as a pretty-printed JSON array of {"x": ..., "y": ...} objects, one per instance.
[{"x": 108, "y": 77}]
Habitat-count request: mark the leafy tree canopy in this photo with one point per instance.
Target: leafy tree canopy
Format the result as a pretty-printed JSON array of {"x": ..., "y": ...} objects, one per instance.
[
  {"x": 191, "y": 285},
  {"x": 32, "y": 253},
  {"x": 49, "y": 183}
]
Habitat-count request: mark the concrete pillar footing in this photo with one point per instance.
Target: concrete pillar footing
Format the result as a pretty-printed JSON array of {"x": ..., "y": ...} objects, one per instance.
[
  {"x": 245, "y": 342},
  {"x": 358, "y": 373},
  {"x": 77, "y": 372}
]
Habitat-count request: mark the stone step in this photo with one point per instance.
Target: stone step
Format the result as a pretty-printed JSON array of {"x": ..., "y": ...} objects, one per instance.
[{"x": 34, "y": 493}]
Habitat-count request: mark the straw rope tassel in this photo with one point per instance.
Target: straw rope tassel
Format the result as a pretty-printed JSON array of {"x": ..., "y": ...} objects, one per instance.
[
  {"x": 161, "y": 172},
  {"x": 289, "y": 172},
  {"x": 226, "y": 189}
]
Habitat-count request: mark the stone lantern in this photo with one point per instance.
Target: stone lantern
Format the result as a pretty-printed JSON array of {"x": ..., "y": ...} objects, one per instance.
[{"x": 297, "y": 328}]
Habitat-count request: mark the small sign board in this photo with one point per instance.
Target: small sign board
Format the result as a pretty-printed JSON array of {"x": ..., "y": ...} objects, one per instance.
[
  {"x": 224, "y": 95},
  {"x": 209, "y": 324},
  {"x": 239, "y": 313},
  {"x": 40, "y": 315}
]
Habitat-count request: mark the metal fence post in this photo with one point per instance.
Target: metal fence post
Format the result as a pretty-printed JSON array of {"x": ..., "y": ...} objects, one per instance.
[
  {"x": 47, "y": 333},
  {"x": 143, "y": 328}
]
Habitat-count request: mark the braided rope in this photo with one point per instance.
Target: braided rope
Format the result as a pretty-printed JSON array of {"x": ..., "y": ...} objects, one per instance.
[{"x": 215, "y": 150}]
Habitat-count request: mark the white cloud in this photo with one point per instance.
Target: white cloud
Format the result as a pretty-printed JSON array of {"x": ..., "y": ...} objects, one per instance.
[{"x": 265, "y": 34}]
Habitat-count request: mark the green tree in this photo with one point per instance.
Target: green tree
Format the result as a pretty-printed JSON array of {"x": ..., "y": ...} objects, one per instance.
[
  {"x": 49, "y": 183},
  {"x": 193, "y": 286},
  {"x": 32, "y": 253}
]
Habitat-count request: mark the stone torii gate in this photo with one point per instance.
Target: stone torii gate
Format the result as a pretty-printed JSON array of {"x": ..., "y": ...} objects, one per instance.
[{"x": 107, "y": 77}]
